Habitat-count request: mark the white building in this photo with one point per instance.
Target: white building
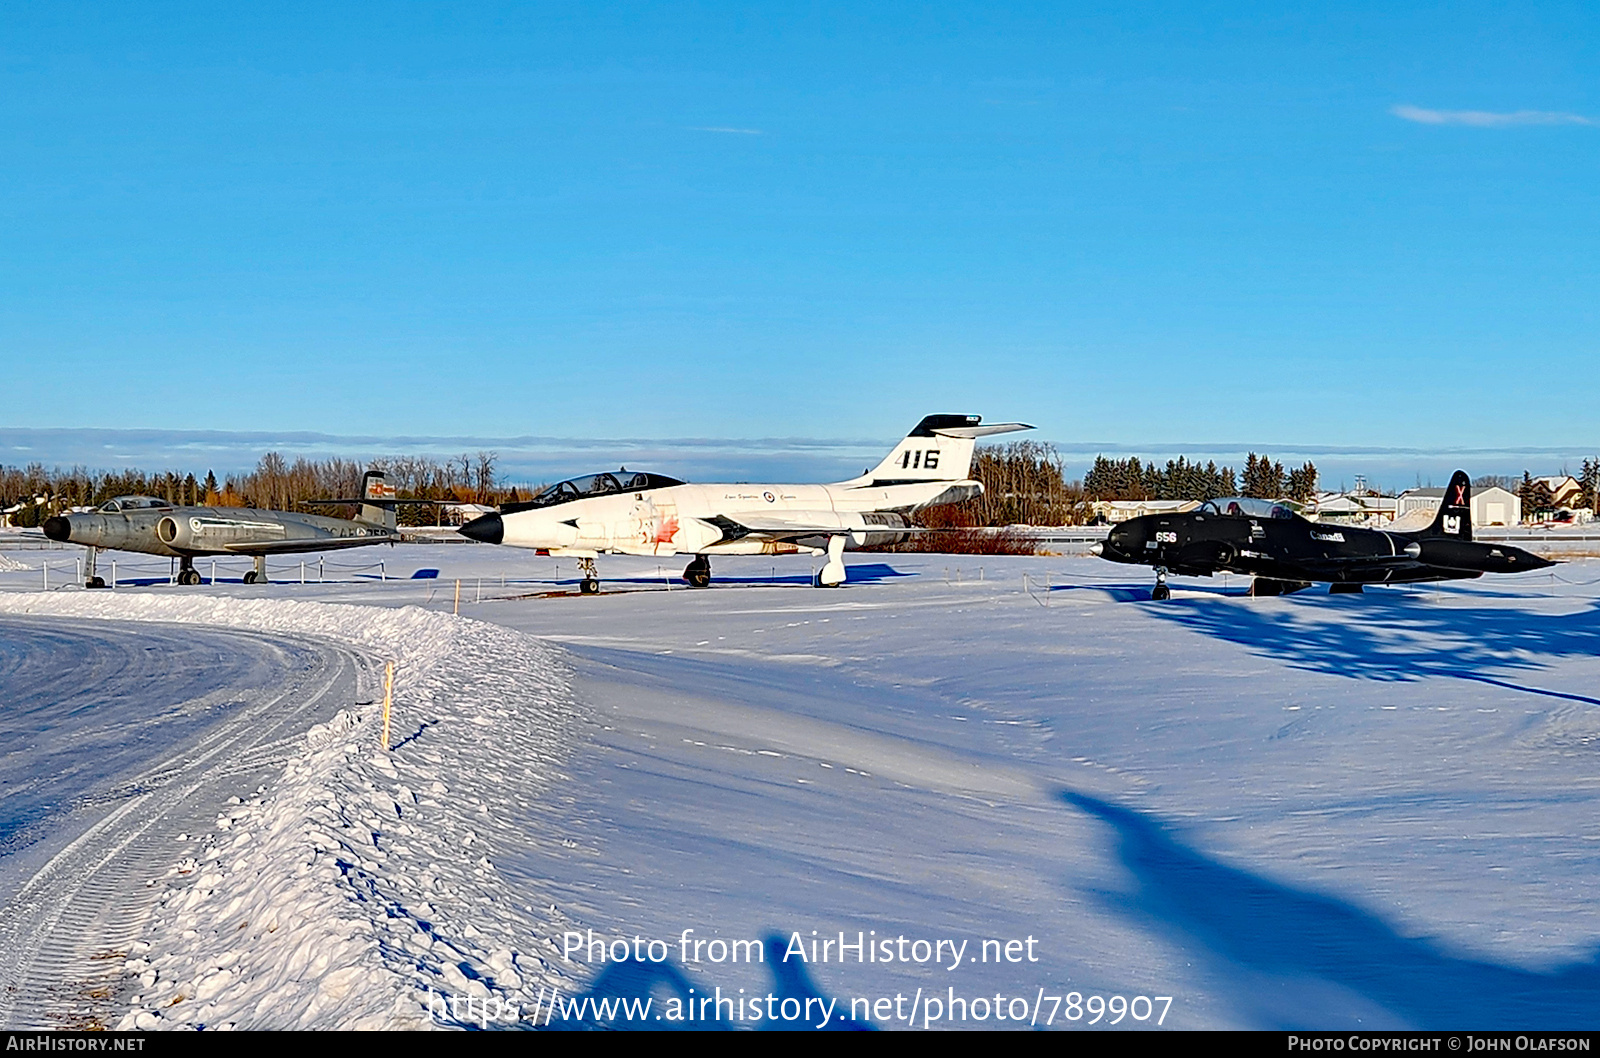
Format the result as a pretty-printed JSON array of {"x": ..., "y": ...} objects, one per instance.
[
  {"x": 1490, "y": 506},
  {"x": 1352, "y": 508},
  {"x": 1122, "y": 510}
]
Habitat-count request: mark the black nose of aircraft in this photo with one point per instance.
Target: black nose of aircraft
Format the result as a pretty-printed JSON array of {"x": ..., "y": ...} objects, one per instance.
[
  {"x": 57, "y": 528},
  {"x": 488, "y": 529},
  {"x": 1119, "y": 542}
]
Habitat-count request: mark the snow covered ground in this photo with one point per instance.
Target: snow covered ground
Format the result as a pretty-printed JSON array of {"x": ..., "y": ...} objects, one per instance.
[{"x": 1309, "y": 811}]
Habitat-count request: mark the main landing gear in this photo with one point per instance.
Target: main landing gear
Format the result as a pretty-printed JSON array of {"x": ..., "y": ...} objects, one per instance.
[
  {"x": 832, "y": 573},
  {"x": 187, "y": 574},
  {"x": 1161, "y": 593},
  {"x": 698, "y": 572},
  {"x": 254, "y": 576}
]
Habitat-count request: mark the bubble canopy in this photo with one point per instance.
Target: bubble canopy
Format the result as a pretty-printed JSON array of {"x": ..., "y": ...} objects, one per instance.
[
  {"x": 589, "y": 485},
  {"x": 1247, "y": 507},
  {"x": 134, "y": 503}
]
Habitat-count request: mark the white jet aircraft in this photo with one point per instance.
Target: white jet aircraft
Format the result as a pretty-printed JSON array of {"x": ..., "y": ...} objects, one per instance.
[{"x": 631, "y": 513}]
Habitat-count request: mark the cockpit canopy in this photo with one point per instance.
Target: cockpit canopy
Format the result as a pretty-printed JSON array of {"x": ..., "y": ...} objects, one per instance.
[
  {"x": 1247, "y": 506},
  {"x": 134, "y": 503},
  {"x": 592, "y": 485}
]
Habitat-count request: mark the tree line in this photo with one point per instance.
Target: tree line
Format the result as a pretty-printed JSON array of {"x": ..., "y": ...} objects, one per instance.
[
  {"x": 1263, "y": 477},
  {"x": 276, "y": 483},
  {"x": 1025, "y": 483}
]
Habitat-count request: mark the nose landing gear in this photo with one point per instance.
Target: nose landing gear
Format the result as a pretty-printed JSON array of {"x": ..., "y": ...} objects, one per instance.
[
  {"x": 90, "y": 579},
  {"x": 1160, "y": 593},
  {"x": 590, "y": 584}
]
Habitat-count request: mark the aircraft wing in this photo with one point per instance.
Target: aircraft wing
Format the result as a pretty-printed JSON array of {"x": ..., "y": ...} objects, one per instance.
[
  {"x": 797, "y": 523},
  {"x": 291, "y": 547},
  {"x": 792, "y": 525}
]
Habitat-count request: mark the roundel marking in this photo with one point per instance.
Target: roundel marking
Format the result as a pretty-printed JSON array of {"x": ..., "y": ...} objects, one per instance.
[{"x": 769, "y": 497}]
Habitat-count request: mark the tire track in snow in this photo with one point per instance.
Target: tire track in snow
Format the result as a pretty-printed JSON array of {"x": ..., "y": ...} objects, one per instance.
[
  {"x": 363, "y": 888},
  {"x": 66, "y": 934}
]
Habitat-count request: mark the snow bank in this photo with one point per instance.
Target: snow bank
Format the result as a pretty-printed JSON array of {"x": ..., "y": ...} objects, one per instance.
[{"x": 360, "y": 890}]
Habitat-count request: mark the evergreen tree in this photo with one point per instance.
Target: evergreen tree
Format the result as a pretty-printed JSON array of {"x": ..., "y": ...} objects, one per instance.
[
  {"x": 1589, "y": 482},
  {"x": 1302, "y": 484}
]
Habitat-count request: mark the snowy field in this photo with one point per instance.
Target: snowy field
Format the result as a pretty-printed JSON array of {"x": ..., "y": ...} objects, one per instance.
[{"x": 1355, "y": 811}]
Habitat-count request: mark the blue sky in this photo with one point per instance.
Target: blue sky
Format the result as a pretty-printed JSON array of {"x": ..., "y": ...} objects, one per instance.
[{"x": 1149, "y": 226}]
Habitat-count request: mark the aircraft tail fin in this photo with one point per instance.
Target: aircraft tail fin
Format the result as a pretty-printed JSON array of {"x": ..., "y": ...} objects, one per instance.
[
  {"x": 1454, "y": 519},
  {"x": 374, "y": 487},
  {"x": 938, "y": 449}
]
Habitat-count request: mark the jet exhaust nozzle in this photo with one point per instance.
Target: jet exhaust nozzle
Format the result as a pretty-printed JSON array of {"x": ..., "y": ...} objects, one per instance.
[{"x": 57, "y": 528}]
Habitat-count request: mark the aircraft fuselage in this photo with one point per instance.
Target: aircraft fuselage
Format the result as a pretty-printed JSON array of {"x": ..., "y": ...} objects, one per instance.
[
  {"x": 720, "y": 519},
  {"x": 185, "y": 532},
  {"x": 1293, "y": 549}
]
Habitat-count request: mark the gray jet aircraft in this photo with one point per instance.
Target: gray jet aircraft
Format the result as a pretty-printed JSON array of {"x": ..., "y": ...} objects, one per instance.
[{"x": 155, "y": 527}]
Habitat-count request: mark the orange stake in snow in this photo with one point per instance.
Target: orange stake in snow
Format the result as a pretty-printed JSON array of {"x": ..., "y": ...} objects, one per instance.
[{"x": 388, "y": 698}]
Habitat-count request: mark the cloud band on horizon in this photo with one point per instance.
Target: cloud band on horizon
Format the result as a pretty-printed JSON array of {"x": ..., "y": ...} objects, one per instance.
[{"x": 1487, "y": 119}]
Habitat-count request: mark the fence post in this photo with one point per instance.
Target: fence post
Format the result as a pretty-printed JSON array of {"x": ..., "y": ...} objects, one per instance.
[
  {"x": 302, "y": 571},
  {"x": 113, "y": 574},
  {"x": 383, "y": 574},
  {"x": 45, "y": 565},
  {"x": 213, "y": 571},
  {"x": 457, "y": 609}
]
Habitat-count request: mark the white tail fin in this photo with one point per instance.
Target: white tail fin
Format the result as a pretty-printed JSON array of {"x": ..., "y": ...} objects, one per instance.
[
  {"x": 375, "y": 487},
  {"x": 939, "y": 449}
]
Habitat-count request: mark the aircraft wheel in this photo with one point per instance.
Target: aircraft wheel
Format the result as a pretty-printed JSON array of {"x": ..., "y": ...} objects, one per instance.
[
  {"x": 188, "y": 576},
  {"x": 698, "y": 572},
  {"x": 1160, "y": 593},
  {"x": 588, "y": 586},
  {"x": 250, "y": 577},
  {"x": 94, "y": 582}
]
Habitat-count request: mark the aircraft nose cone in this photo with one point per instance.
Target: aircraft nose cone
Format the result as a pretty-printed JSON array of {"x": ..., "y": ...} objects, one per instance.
[
  {"x": 488, "y": 529},
  {"x": 57, "y": 528}
]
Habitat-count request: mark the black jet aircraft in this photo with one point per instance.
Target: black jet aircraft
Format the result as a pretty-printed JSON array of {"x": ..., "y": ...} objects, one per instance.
[{"x": 1284, "y": 552}]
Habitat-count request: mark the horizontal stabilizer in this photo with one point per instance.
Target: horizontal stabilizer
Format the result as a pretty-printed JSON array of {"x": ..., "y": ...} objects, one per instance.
[
  {"x": 375, "y": 503},
  {"x": 981, "y": 431}
]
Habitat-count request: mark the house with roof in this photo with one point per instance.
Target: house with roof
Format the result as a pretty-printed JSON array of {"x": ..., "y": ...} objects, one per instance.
[
  {"x": 1122, "y": 510},
  {"x": 1490, "y": 506},
  {"x": 1352, "y": 508}
]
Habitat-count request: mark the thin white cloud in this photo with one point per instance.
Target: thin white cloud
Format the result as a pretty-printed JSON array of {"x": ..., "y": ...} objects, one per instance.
[
  {"x": 721, "y": 128},
  {"x": 1488, "y": 119}
]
